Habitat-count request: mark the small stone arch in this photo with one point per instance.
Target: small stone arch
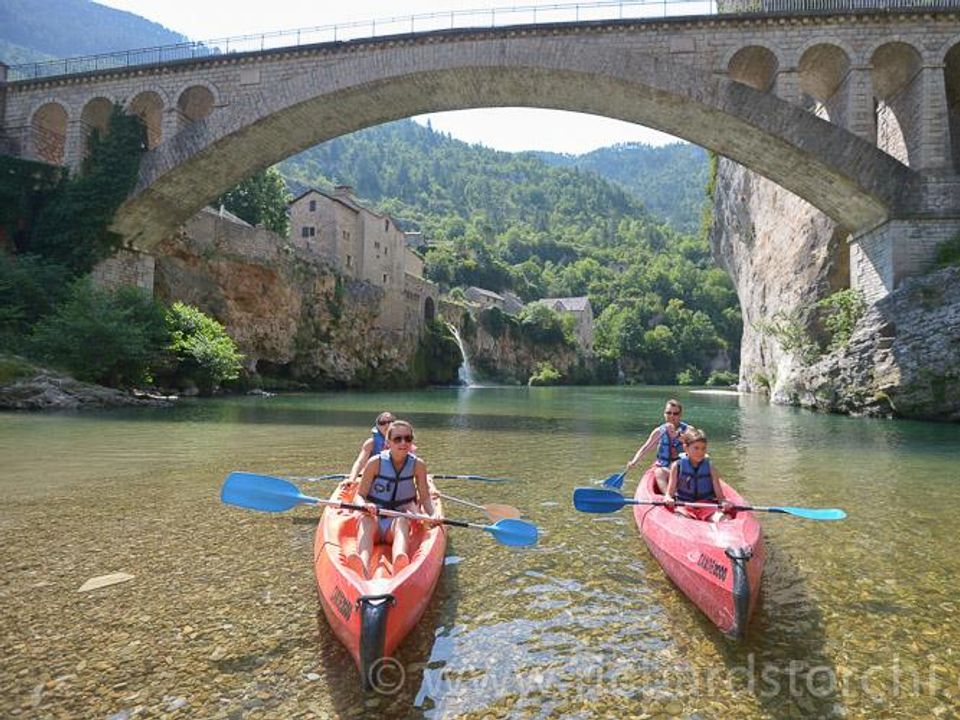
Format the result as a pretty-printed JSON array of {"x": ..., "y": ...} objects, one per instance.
[
  {"x": 897, "y": 91},
  {"x": 148, "y": 106},
  {"x": 48, "y": 133},
  {"x": 951, "y": 70},
  {"x": 754, "y": 65},
  {"x": 429, "y": 309},
  {"x": 95, "y": 116},
  {"x": 823, "y": 70},
  {"x": 196, "y": 102}
]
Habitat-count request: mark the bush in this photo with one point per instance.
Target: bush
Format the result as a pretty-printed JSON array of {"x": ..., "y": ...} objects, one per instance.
[
  {"x": 205, "y": 354},
  {"x": 690, "y": 376},
  {"x": 843, "y": 310},
  {"x": 545, "y": 374},
  {"x": 30, "y": 287},
  {"x": 110, "y": 338},
  {"x": 722, "y": 377}
]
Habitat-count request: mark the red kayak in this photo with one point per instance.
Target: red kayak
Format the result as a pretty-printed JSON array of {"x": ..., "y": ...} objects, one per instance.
[
  {"x": 717, "y": 565},
  {"x": 371, "y": 617}
]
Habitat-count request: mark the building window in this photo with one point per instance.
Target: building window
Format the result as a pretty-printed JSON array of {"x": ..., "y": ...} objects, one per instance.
[
  {"x": 349, "y": 261},
  {"x": 313, "y": 205},
  {"x": 384, "y": 279},
  {"x": 386, "y": 225},
  {"x": 307, "y": 231},
  {"x": 377, "y": 244}
]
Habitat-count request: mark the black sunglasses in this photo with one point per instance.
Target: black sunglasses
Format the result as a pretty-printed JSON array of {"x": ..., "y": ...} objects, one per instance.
[{"x": 402, "y": 438}]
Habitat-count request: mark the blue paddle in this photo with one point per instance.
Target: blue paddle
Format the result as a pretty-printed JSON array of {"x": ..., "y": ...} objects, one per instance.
[
  {"x": 270, "y": 494},
  {"x": 601, "y": 500},
  {"x": 616, "y": 481}
]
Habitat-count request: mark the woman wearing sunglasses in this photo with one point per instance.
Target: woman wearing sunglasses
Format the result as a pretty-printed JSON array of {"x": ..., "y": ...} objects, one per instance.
[
  {"x": 373, "y": 445},
  {"x": 669, "y": 444},
  {"x": 395, "y": 479}
]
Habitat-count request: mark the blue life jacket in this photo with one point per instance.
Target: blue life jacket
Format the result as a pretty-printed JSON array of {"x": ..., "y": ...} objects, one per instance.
[
  {"x": 664, "y": 454},
  {"x": 694, "y": 484},
  {"x": 378, "y": 441},
  {"x": 391, "y": 489}
]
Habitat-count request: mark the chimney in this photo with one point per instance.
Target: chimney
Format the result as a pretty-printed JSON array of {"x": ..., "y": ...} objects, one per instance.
[{"x": 343, "y": 191}]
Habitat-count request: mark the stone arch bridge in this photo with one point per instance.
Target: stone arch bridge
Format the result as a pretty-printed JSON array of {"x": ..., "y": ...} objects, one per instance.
[{"x": 857, "y": 112}]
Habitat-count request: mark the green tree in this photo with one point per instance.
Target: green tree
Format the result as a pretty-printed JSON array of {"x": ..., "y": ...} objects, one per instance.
[
  {"x": 261, "y": 199},
  {"x": 108, "y": 337},
  {"x": 206, "y": 355}
]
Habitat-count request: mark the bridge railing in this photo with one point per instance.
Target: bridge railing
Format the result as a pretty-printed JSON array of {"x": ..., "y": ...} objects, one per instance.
[{"x": 455, "y": 19}]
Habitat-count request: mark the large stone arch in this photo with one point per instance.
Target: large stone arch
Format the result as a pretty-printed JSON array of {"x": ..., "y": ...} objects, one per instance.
[
  {"x": 196, "y": 102},
  {"x": 149, "y": 106},
  {"x": 95, "y": 116},
  {"x": 843, "y": 175},
  {"x": 896, "y": 68},
  {"x": 951, "y": 70},
  {"x": 48, "y": 132},
  {"x": 754, "y": 65},
  {"x": 823, "y": 70}
]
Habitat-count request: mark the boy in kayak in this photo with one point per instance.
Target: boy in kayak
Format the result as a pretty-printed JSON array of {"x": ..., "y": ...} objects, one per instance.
[
  {"x": 694, "y": 479},
  {"x": 667, "y": 439},
  {"x": 395, "y": 479},
  {"x": 373, "y": 445}
]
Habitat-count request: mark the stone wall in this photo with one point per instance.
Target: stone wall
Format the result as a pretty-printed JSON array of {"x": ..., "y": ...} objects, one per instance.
[{"x": 126, "y": 267}]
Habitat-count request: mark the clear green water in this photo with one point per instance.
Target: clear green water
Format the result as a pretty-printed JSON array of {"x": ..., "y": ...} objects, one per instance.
[{"x": 858, "y": 618}]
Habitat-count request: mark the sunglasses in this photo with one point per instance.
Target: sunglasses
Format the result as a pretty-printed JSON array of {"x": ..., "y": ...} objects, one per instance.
[
  {"x": 402, "y": 438},
  {"x": 384, "y": 422},
  {"x": 670, "y": 412}
]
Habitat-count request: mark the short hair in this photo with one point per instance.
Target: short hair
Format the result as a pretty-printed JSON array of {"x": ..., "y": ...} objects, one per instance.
[
  {"x": 676, "y": 403},
  {"x": 398, "y": 423},
  {"x": 692, "y": 435}
]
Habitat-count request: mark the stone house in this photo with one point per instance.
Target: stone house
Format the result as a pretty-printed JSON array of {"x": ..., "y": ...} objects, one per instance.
[
  {"x": 582, "y": 311},
  {"x": 366, "y": 245}
]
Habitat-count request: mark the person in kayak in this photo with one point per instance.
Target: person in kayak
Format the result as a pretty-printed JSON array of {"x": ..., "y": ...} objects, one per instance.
[
  {"x": 666, "y": 438},
  {"x": 395, "y": 479},
  {"x": 373, "y": 445},
  {"x": 694, "y": 479}
]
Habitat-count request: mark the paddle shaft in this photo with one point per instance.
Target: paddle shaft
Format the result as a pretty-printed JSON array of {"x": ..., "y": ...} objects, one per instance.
[
  {"x": 751, "y": 508},
  {"x": 397, "y": 513},
  {"x": 495, "y": 511}
]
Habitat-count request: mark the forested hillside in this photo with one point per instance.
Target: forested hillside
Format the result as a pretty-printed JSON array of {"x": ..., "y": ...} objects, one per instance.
[
  {"x": 32, "y": 30},
  {"x": 511, "y": 221},
  {"x": 670, "y": 179}
]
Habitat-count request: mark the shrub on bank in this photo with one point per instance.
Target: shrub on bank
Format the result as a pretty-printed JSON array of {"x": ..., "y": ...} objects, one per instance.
[
  {"x": 109, "y": 338},
  {"x": 205, "y": 354},
  {"x": 545, "y": 374}
]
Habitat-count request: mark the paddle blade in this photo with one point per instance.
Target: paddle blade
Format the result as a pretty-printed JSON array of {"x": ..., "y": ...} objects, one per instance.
[
  {"x": 496, "y": 511},
  {"x": 597, "y": 500},
  {"x": 614, "y": 482},
  {"x": 813, "y": 513},
  {"x": 516, "y": 533},
  {"x": 261, "y": 492}
]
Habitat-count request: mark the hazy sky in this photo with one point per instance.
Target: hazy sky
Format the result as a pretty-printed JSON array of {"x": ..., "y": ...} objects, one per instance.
[{"x": 503, "y": 128}]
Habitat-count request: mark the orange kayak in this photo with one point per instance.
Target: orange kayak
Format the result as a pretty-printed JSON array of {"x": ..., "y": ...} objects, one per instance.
[
  {"x": 372, "y": 617},
  {"x": 717, "y": 565}
]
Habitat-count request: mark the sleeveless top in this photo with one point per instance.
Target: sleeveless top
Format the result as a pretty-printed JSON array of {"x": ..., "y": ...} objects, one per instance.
[{"x": 391, "y": 489}]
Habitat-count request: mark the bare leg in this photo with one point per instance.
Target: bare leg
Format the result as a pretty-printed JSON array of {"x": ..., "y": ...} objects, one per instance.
[
  {"x": 366, "y": 533},
  {"x": 401, "y": 544},
  {"x": 662, "y": 475}
]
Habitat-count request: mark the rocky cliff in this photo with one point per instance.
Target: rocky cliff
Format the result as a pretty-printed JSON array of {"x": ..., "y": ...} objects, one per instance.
[
  {"x": 783, "y": 256},
  {"x": 500, "y": 352},
  {"x": 291, "y": 314}
]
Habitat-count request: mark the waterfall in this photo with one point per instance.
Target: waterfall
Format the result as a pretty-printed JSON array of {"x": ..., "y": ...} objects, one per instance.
[{"x": 464, "y": 372}]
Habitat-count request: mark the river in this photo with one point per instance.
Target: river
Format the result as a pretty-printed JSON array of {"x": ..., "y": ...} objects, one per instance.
[{"x": 858, "y": 619}]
